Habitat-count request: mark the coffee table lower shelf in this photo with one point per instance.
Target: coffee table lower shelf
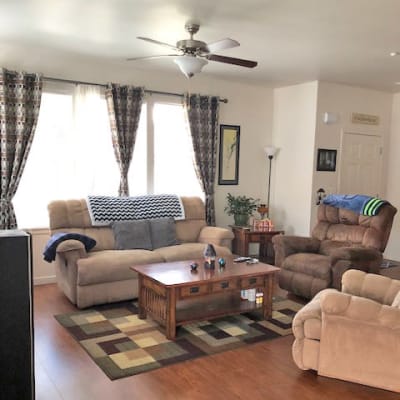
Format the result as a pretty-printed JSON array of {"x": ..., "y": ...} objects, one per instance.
[
  {"x": 171, "y": 312},
  {"x": 213, "y": 306}
]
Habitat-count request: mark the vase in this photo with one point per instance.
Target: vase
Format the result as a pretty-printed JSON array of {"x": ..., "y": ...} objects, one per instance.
[{"x": 241, "y": 219}]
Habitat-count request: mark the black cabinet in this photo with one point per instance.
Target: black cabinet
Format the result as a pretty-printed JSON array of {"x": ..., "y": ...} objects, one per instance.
[{"x": 16, "y": 317}]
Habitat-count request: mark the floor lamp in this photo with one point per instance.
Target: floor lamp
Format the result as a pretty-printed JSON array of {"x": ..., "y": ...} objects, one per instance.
[{"x": 270, "y": 151}]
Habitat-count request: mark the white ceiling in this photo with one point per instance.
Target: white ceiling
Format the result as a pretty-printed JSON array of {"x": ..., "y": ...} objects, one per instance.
[{"x": 344, "y": 41}]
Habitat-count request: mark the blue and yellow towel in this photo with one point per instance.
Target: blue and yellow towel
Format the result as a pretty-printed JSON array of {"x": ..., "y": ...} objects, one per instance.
[{"x": 359, "y": 203}]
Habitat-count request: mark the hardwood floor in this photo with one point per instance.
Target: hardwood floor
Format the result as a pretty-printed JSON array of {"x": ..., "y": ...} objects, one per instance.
[{"x": 260, "y": 371}]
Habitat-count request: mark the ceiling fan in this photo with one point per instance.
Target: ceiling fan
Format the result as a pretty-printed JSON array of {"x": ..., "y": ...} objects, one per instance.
[{"x": 192, "y": 55}]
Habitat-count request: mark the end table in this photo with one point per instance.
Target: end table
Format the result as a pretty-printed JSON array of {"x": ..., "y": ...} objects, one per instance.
[{"x": 246, "y": 235}]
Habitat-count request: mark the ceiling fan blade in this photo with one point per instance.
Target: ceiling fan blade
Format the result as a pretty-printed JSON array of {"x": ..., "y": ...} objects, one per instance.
[
  {"x": 150, "y": 57},
  {"x": 157, "y": 42},
  {"x": 231, "y": 60},
  {"x": 222, "y": 45}
]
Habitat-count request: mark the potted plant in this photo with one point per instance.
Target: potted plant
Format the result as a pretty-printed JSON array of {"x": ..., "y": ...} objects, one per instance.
[{"x": 241, "y": 207}]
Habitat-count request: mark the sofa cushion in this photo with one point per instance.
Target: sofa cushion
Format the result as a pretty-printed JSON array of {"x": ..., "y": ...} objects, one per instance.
[
  {"x": 188, "y": 251},
  {"x": 163, "y": 232},
  {"x": 132, "y": 235},
  {"x": 316, "y": 265},
  {"x": 396, "y": 301},
  {"x": 112, "y": 265}
]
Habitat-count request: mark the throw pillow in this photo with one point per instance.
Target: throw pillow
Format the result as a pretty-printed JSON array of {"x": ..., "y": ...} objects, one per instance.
[
  {"x": 132, "y": 235},
  {"x": 163, "y": 232}
]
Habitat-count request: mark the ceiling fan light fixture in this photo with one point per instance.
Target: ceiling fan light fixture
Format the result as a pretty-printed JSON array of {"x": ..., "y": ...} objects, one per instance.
[{"x": 190, "y": 65}]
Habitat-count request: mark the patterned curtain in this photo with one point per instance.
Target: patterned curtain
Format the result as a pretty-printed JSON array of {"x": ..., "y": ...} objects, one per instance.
[
  {"x": 202, "y": 112},
  {"x": 124, "y": 106},
  {"x": 20, "y": 96}
]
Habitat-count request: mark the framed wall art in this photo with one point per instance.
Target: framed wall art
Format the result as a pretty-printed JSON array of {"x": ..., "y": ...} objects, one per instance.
[
  {"x": 326, "y": 160},
  {"x": 229, "y": 143}
]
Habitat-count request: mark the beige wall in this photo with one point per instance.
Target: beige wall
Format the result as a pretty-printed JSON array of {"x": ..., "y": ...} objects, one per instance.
[
  {"x": 342, "y": 101},
  {"x": 250, "y": 106},
  {"x": 294, "y": 117},
  {"x": 392, "y": 180},
  {"x": 298, "y": 130}
]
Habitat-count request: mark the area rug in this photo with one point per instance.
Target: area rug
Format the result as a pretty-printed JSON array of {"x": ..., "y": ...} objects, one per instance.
[{"x": 122, "y": 345}]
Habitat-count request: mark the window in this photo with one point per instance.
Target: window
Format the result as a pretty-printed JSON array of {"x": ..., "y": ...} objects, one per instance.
[
  {"x": 174, "y": 170},
  {"x": 72, "y": 154}
]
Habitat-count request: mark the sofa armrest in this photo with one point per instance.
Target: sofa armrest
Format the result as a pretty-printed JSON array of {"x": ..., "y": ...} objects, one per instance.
[
  {"x": 361, "y": 310},
  {"x": 216, "y": 236},
  {"x": 71, "y": 249},
  {"x": 286, "y": 245}
]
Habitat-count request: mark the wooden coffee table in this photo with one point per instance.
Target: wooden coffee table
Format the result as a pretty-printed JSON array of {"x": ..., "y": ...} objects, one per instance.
[{"x": 173, "y": 295}]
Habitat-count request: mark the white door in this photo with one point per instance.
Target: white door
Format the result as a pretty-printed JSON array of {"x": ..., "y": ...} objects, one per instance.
[{"x": 360, "y": 164}]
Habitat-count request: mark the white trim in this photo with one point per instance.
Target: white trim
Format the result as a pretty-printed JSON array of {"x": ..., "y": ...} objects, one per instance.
[{"x": 44, "y": 280}]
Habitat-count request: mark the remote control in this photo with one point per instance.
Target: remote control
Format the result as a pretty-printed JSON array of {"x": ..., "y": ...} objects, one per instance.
[
  {"x": 241, "y": 259},
  {"x": 252, "y": 261}
]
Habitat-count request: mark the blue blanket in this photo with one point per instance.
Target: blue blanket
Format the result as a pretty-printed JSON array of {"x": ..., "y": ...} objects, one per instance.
[
  {"x": 359, "y": 203},
  {"x": 49, "y": 253}
]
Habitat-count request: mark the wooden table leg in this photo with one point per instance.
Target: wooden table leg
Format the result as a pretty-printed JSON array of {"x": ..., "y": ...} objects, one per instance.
[
  {"x": 142, "y": 314},
  {"x": 267, "y": 301},
  {"x": 171, "y": 314}
]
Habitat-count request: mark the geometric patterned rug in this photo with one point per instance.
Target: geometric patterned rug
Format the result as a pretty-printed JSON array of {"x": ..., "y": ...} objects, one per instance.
[{"x": 122, "y": 345}]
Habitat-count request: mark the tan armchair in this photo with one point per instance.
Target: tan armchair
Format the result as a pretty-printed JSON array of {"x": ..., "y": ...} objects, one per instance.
[
  {"x": 354, "y": 334},
  {"x": 341, "y": 240}
]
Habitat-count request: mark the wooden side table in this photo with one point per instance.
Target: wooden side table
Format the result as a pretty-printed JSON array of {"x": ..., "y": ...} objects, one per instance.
[{"x": 246, "y": 235}]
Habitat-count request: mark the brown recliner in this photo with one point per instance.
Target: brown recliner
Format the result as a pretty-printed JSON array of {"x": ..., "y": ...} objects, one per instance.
[{"x": 341, "y": 240}]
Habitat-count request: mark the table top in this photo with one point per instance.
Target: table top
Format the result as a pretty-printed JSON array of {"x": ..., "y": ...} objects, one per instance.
[
  {"x": 178, "y": 273},
  {"x": 250, "y": 229}
]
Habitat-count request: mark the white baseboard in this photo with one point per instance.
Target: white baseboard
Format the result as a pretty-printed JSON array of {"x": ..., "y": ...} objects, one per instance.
[{"x": 44, "y": 280}]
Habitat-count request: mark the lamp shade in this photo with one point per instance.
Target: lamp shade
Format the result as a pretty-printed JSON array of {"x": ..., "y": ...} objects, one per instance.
[
  {"x": 190, "y": 65},
  {"x": 270, "y": 151}
]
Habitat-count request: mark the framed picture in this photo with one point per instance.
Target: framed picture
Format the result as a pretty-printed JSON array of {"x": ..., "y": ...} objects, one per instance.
[
  {"x": 326, "y": 160},
  {"x": 229, "y": 143}
]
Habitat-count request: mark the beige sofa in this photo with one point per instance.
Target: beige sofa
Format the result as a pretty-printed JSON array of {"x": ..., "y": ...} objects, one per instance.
[
  {"x": 354, "y": 334},
  {"x": 102, "y": 275}
]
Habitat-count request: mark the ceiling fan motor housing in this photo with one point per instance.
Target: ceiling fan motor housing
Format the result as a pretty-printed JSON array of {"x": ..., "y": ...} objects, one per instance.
[{"x": 192, "y": 46}]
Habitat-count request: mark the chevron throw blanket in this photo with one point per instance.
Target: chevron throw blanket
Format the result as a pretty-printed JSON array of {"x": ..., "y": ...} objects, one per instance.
[{"x": 106, "y": 209}]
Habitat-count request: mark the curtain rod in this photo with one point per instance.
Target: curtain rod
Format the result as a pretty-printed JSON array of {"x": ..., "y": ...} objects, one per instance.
[{"x": 47, "y": 78}]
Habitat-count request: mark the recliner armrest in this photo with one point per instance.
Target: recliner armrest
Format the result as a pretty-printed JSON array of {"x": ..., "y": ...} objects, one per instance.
[
  {"x": 356, "y": 254},
  {"x": 216, "y": 236},
  {"x": 71, "y": 247},
  {"x": 286, "y": 245},
  {"x": 360, "y": 309},
  {"x": 346, "y": 258},
  {"x": 372, "y": 286}
]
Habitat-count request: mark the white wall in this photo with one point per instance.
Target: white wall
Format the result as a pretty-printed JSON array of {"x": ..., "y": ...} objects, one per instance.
[
  {"x": 43, "y": 272},
  {"x": 294, "y": 117},
  {"x": 392, "y": 178},
  {"x": 249, "y": 106}
]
